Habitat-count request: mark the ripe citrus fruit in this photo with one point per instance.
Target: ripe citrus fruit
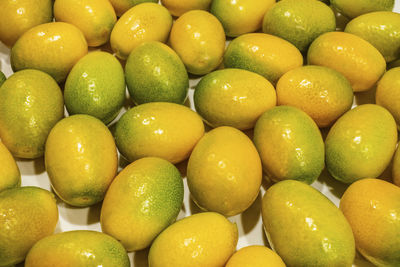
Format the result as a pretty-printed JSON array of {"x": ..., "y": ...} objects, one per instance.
[
  {"x": 299, "y": 21},
  {"x": 121, "y": 6},
  {"x": 255, "y": 256},
  {"x": 323, "y": 93},
  {"x": 199, "y": 39},
  {"x": 361, "y": 143},
  {"x": 290, "y": 145},
  {"x": 360, "y": 62},
  {"x": 96, "y": 86},
  {"x": 77, "y": 248},
  {"x": 158, "y": 129},
  {"x": 142, "y": 201},
  {"x": 95, "y": 18},
  {"x": 179, "y": 7},
  {"x": 233, "y": 97},
  {"x": 31, "y": 103},
  {"x": 292, "y": 210},
  {"x": 356, "y": 8},
  {"x": 81, "y": 159},
  {"x": 144, "y": 22},
  {"x": 372, "y": 207},
  {"x": 240, "y": 16},
  {"x": 204, "y": 239},
  {"x": 381, "y": 30},
  {"x": 10, "y": 175},
  {"x": 248, "y": 52},
  {"x": 224, "y": 172},
  {"x": 18, "y": 16},
  {"x": 27, "y": 214},
  {"x": 155, "y": 73},
  {"x": 388, "y": 93},
  {"x": 51, "y": 47}
]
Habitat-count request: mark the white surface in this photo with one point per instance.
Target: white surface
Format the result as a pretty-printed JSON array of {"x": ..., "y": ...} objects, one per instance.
[{"x": 249, "y": 222}]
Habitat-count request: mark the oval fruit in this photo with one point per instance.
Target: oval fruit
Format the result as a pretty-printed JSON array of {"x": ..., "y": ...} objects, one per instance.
[
  {"x": 255, "y": 256},
  {"x": 204, "y": 239},
  {"x": 141, "y": 23},
  {"x": 381, "y": 29},
  {"x": 31, "y": 103},
  {"x": 144, "y": 199},
  {"x": 224, "y": 172},
  {"x": 323, "y": 236},
  {"x": 155, "y": 73},
  {"x": 361, "y": 143},
  {"x": 233, "y": 97},
  {"x": 95, "y": 18},
  {"x": 321, "y": 92},
  {"x": 356, "y": 8},
  {"x": 18, "y": 16},
  {"x": 51, "y": 47},
  {"x": 10, "y": 175},
  {"x": 290, "y": 145},
  {"x": 158, "y": 129},
  {"x": 199, "y": 39},
  {"x": 360, "y": 62},
  {"x": 96, "y": 86},
  {"x": 179, "y": 7},
  {"x": 242, "y": 16},
  {"x": 372, "y": 207},
  {"x": 81, "y": 160},
  {"x": 121, "y": 6},
  {"x": 27, "y": 214},
  {"x": 388, "y": 92},
  {"x": 248, "y": 52},
  {"x": 299, "y": 22},
  {"x": 77, "y": 248}
]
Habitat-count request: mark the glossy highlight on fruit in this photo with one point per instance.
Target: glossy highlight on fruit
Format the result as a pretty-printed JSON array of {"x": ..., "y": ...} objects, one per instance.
[
  {"x": 290, "y": 145},
  {"x": 96, "y": 86},
  {"x": 203, "y": 239},
  {"x": 31, "y": 103},
  {"x": 143, "y": 200},
  {"x": 356, "y": 8},
  {"x": 320, "y": 232},
  {"x": 361, "y": 143},
  {"x": 240, "y": 16},
  {"x": 27, "y": 214},
  {"x": 323, "y": 93},
  {"x": 372, "y": 207},
  {"x": 199, "y": 39},
  {"x": 81, "y": 160},
  {"x": 141, "y": 23},
  {"x": 381, "y": 29},
  {"x": 77, "y": 248},
  {"x": 155, "y": 73},
  {"x": 233, "y": 97},
  {"x": 53, "y": 48},
  {"x": 360, "y": 62},
  {"x": 299, "y": 21},
  {"x": 18, "y": 16},
  {"x": 95, "y": 18},
  {"x": 265, "y": 54},
  {"x": 158, "y": 129},
  {"x": 224, "y": 172}
]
